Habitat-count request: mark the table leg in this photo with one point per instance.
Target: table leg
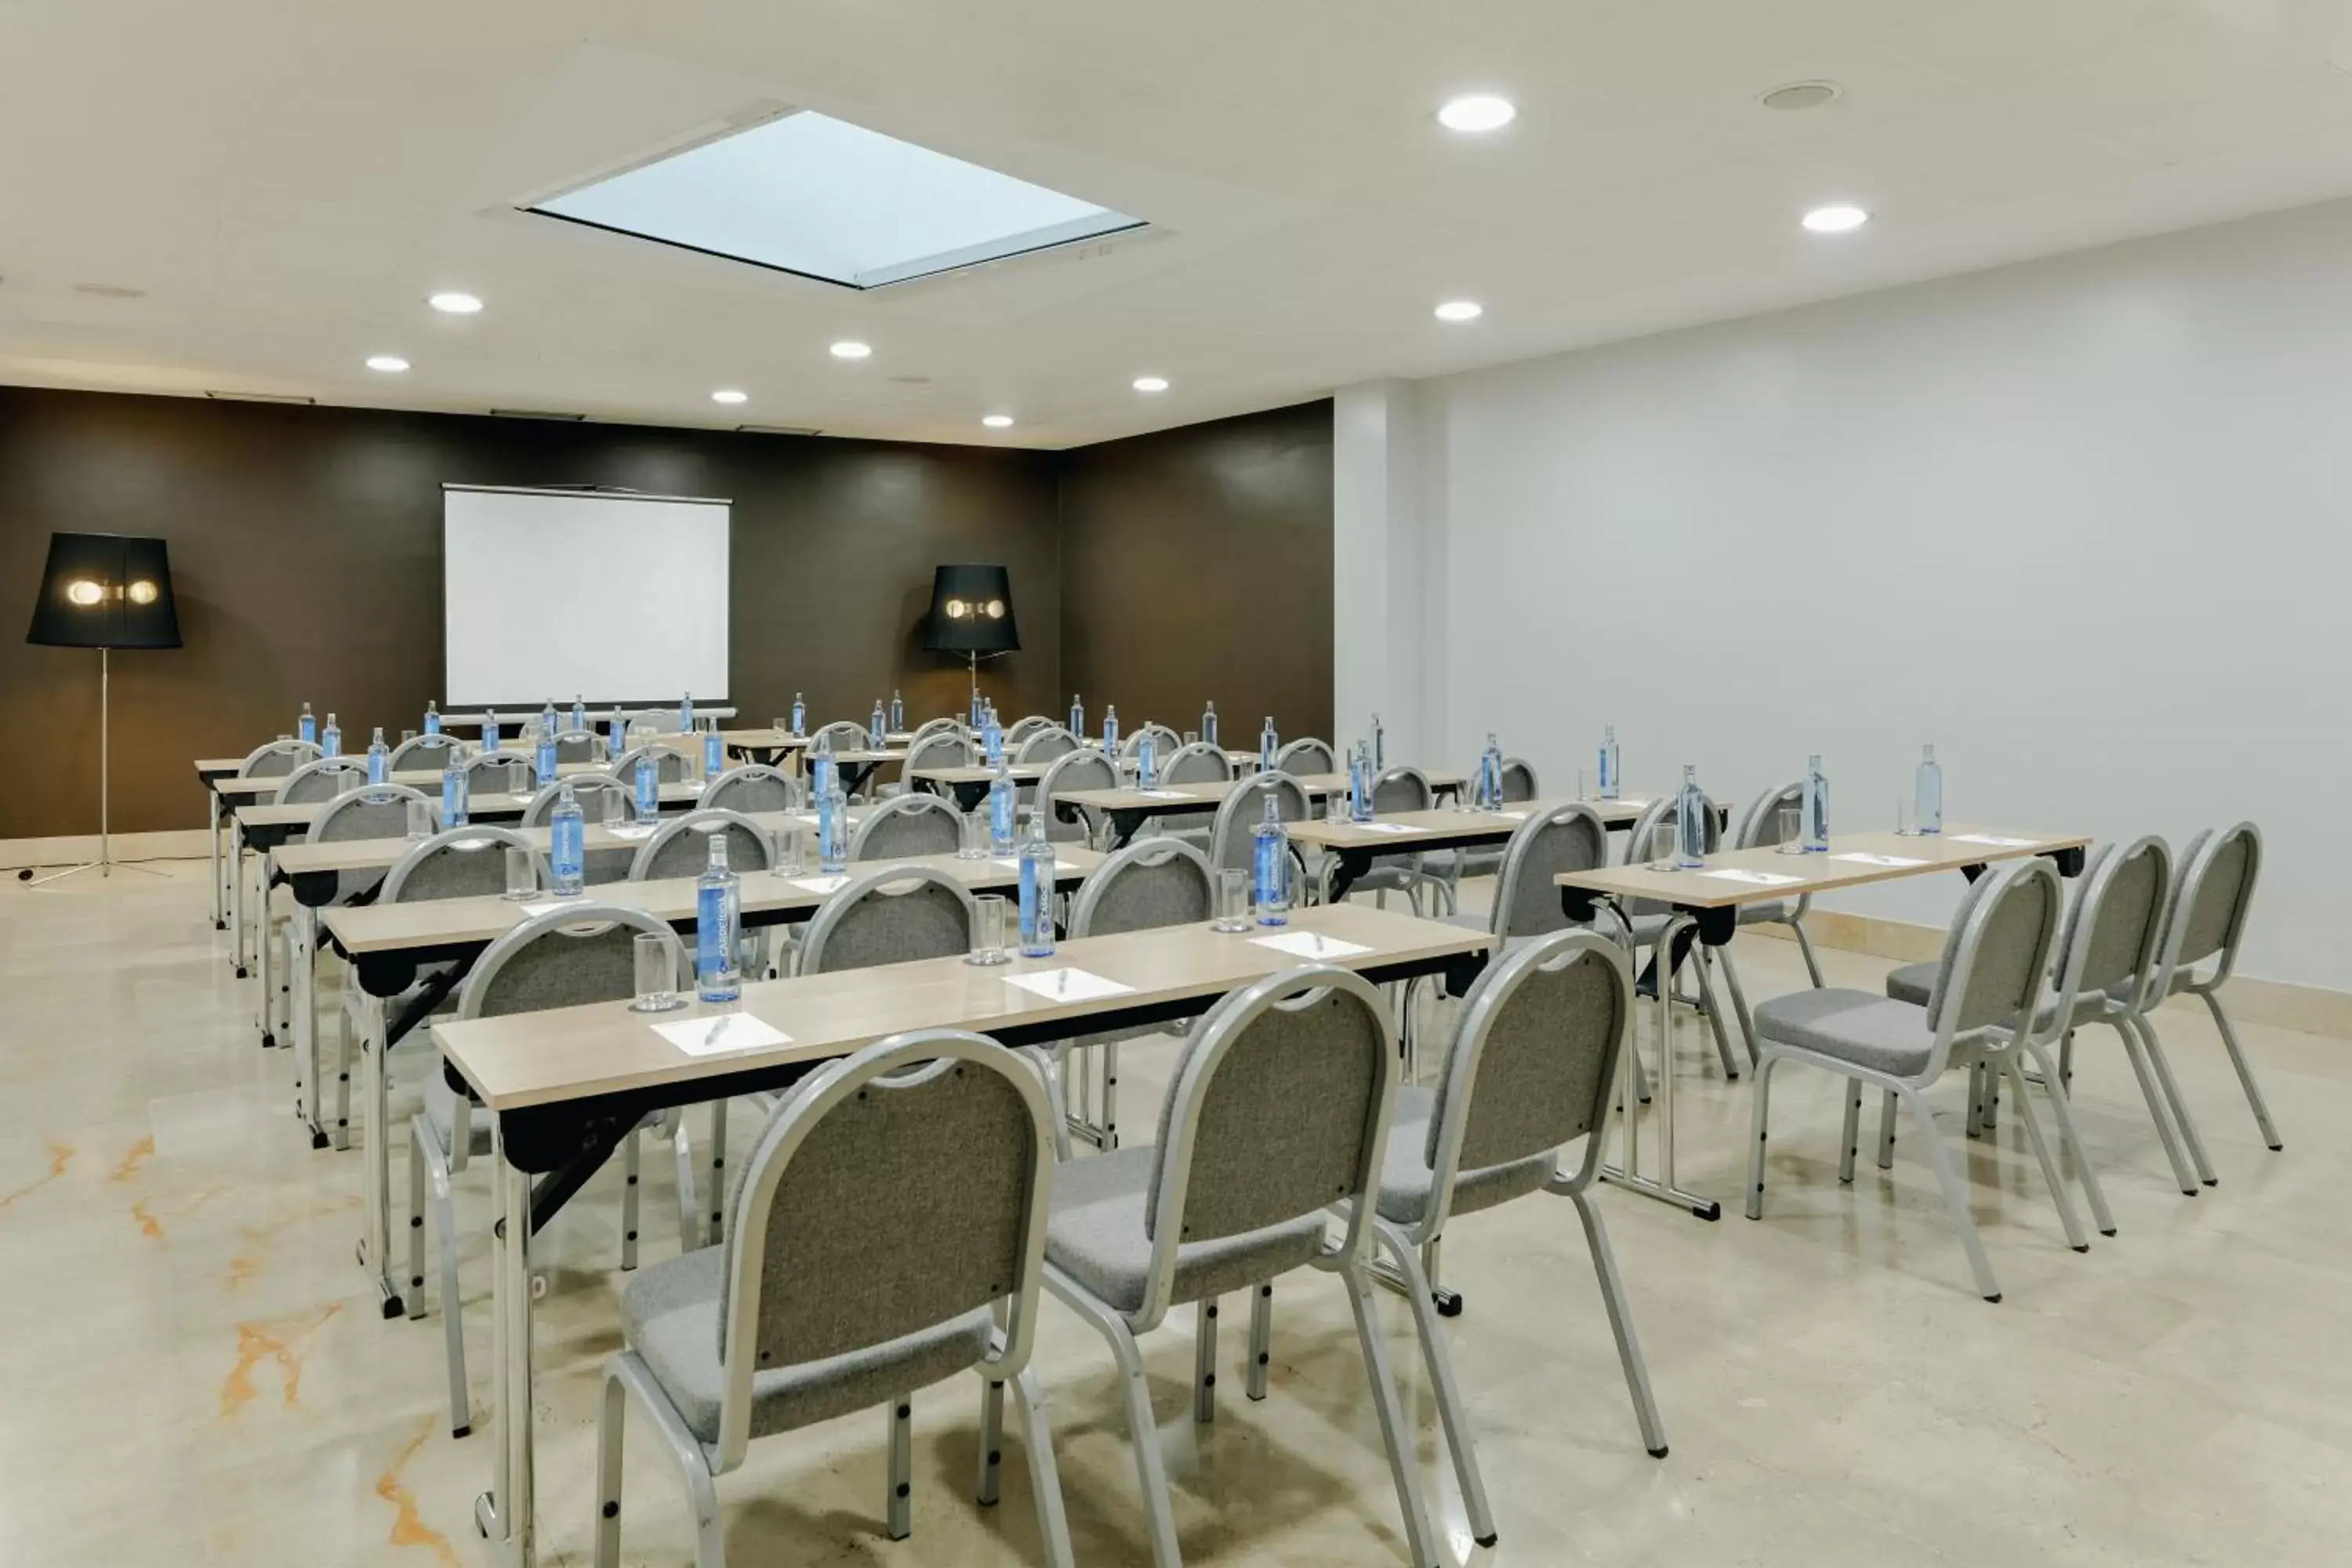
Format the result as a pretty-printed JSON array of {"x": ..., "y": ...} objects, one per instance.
[
  {"x": 236, "y": 894},
  {"x": 306, "y": 1013},
  {"x": 212, "y": 849},
  {"x": 375, "y": 1249},
  {"x": 1662, "y": 1186},
  {"x": 1739, "y": 1005},
  {"x": 261, "y": 942},
  {"x": 505, "y": 1511}
]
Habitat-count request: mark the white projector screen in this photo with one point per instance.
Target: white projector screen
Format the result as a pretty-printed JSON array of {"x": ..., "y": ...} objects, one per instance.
[{"x": 548, "y": 595}]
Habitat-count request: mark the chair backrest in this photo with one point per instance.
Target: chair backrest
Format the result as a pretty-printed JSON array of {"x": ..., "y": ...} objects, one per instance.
[
  {"x": 1082, "y": 769},
  {"x": 2208, "y": 909},
  {"x": 2110, "y": 935},
  {"x": 1043, "y": 745},
  {"x": 1569, "y": 838},
  {"x": 1240, "y": 811},
  {"x": 561, "y": 959},
  {"x": 1996, "y": 957},
  {"x": 418, "y": 753},
  {"x": 504, "y": 772},
  {"x": 1153, "y": 882},
  {"x": 1403, "y": 788},
  {"x": 1022, "y": 729},
  {"x": 892, "y": 914},
  {"x": 458, "y": 863},
  {"x": 680, "y": 847},
  {"x": 1279, "y": 1108},
  {"x": 751, "y": 789},
  {"x": 1759, "y": 824},
  {"x": 589, "y": 791},
  {"x": 907, "y": 825},
  {"x": 670, "y": 764},
  {"x": 322, "y": 779},
  {"x": 1661, "y": 812},
  {"x": 1532, "y": 1062},
  {"x": 276, "y": 759},
  {"x": 1164, "y": 741},
  {"x": 1519, "y": 779},
  {"x": 903, "y": 1187},
  {"x": 577, "y": 745},
  {"x": 1199, "y": 763},
  {"x": 842, "y": 735},
  {"x": 930, "y": 727},
  {"x": 940, "y": 749},
  {"x": 1307, "y": 757},
  {"x": 373, "y": 811}
]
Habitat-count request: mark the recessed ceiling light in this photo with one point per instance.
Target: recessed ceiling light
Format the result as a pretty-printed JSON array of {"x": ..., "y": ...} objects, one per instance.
[
  {"x": 1150, "y": 384},
  {"x": 997, "y": 421},
  {"x": 450, "y": 303},
  {"x": 391, "y": 364},
  {"x": 1835, "y": 219},
  {"x": 1802, "y": 95},
  {"x": 1460, "y": 310},
  {"x": 1478, "y": 111},
  {"x": 850, "y": 348},
  {"x": 728, "y": 394}
]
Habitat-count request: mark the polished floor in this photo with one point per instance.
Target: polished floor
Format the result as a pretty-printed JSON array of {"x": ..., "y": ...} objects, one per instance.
[{"x": 191, "y": 1369}]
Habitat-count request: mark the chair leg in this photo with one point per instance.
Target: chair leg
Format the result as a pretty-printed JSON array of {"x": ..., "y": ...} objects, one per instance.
[
  {"x": 1420, "y": 1542},
  {"x": 611, "y": 1423},
  {"x": 2061, "y": 1106},
  {"x": 1739, "y": 994},
  {"x": 1701, "y": 963},
  {"x": 2245, "y": 1069},
  {"x": 1044, "y": 1475},
  {"x": 1439, "y": 1360},
  {"x": 1805, "y": 946},
  {"x": 1887, "y": 1130},
  {"x": 338, "y": 1130},
  {"x": 1110, "y": 1096},
  {"x": 1976, "y": 1100},
  {"x": 1620, "y": 1326},
  {"x": 1204, "y": 1362},
  {"x": 343, "y": 1135},
  {"x": 1956, "y": 1197},
  {"x": 717, "y": 1231},
  {"x": 415, "y": 1298},
  {"x": 898, "y": 1504},
  {"x": 992, "y": 1441},
  {"x": 2034, "y": 1135},
  {"x": 2171, "y": 1087},
  {"x": 2156, "y": 1106},
  {"x": 1759, "y": 1108},
  {"x": 1143, "y": 1434},
  {"x": 1261, "y": 1340},
  {"x": 453, "y": 1326},
  {"x": 629, "y": 1173},
  {"x": 1850, "y": 1141},
  {"x": 689, "y": 1203},
  {"x": 2067, "y": 1059}
]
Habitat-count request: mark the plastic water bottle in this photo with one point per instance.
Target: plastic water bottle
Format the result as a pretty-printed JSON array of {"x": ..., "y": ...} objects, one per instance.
[
  {"x": 1927, "y": 794},
  {"x": 714, "y": 754},
  {"x": 455, "y": 788},
  {"x": 490, "y": 731},
  {"x": 821, "y": 766},
  {"x": 616, "y": 736},
  {"x": 331, "y": 739},
  {"x": 1360, "y": 784},
  {"x": 1817, "y": 807},
  {"x": 1144, "y": 758},
  {"x": 1036, "y": 890},
  {"x": 1610, "y": 785},
  {"x": 1110, "y": 729},
  {"x": 306, "y": 727},
  {"x": 878, "y": 726},
  {"x": 1269, "y": 743},
  {"x": 832, "y": 831},
  {"x": 378, "y": 758},
  {"x": 1002, "y": 797},
  {"x": 1208, "y": 725},
  {"x": 1380, "y": 745},
  {"x": 648, "y": 788},
  {"x": 547, "y": 723},
  {"x": 1690, "y": 822},
  {"x": 567, "y": 853},
  {"x": 431, "y": 718},
  {"x": 992, "y": 736},
  {"x": 686, "y": 714},
  {"x": 1077, "y": 717},
  {"x": 1490, "y": 774},
  {"x": 897, "y": 714},
  {"x": 1270, "y": 869},
  {"x": 800, "y": 716},
  {"x": 580, "y": 711},
  {"x": 973, "y": 717},
  {"x": 546, "y": 757},
  {"x": 718, "y": 917}
]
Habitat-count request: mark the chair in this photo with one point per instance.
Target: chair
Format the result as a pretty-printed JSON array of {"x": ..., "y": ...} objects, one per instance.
[
  {"x": 1279, "y": 1109},
  {"x": 1759, "y": 828},
  {"x": 498, "y": 772},
  {"x": 1043, "y": 745},
  {"x": 892, "y": 914},
  {"x": 589, "y": 791},
  {"x": 276, "y": 759},
  {"x": 1199, "y": 763},
  {"x": 1152, "y": 883},
  {"x": 1239, "y": 814},
  {"x": 2207, "y": 920},
  {"x": 1530, "y": 1069},
  {"x": 886, "y": 1235},
  {"x": 940, "y": 749},
  {"x": 930, "y": 727},
  {"x": 1452, "y": 865},
  {"x": 371, "y": 811},
  {"x": 320, "y": 779},
  {"x": 670, "y": 764},
  {"x": 1566, "y": 837},
  {"x": 1165, "y": 742},
  {"x": 841, "y": 735},
  {"x": 680, "y": 847},
  {"x": 1306, "y": 759},
  {"x": 419, "y": 753},
  {"x": 463, "y": 862},
  {"x": 1399, "y": 789},
  {"x": 559, "y": 959},
  {"x": 1024, "y": 728},
  {"x": 1987, "y": 987},
  {"x": 578, "y": 746},
  {"x": 907, "y": 825},
  {"x": 752, "y": 789},
  {"x": 1645, "y": 922},
  {"x": 1082, "y": 769}
]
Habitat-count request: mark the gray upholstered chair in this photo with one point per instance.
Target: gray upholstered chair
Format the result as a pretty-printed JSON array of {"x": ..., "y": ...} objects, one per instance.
[
  {"x": 841, "y": 735},
  {"x": 1519, "y": 786},
  {"x": 1152, "y": 883},
  {"x": 887, "y": 1236},
  {"x": 1042, "y": 745},
  {"x": 1020, "y": 729},
  {"x": 323, "y": 778},
  {"x": 680, "y": 847},
  {"x": 1988, "y": 987},
  {"x": 1642, "y": 922},
  {"x": 1759, "y": 828},
  {"x": 1566, "y": 837},
  {"x": 2206, "y": 923},
  {"x": 672, "y": 765},
  {"x": 1280, "y": 1108},
  {"x": 418, "y": 753},
  {"x": 1199, "y": 763},
  {"x": 752, "y": 788},
  {"x": 578, "y": 746},
  {"x": 1306, "y": 758},
  {"x": 891, "y": 915},
  {"x": 276, "y": 759},
  {"x": 498, "y": 772},
  {"x": 589, "y": 791},
  {"x": 940, "y": 749},
  {"x": 1165, "y": 742},
  {"x": 1239, "y": 814},
  {"x": 907, "y": 825},
  {"x": 1082, "y": 769},
  {"x": 1530, "y": 1069},
  {"x": 559, "y": 959},
  {"x": 930, "y": 727},
  {"x": 1402, "y": 788}
]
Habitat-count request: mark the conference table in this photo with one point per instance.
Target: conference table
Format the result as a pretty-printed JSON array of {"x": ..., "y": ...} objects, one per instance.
[
  {"x": 769, "y": 746},
  {"x": 566, "y": 1085},
  {"x": 1708, "y": 901},
  {"x": 1129, "y": 807},
  {"x": 1354, "y": 846}
]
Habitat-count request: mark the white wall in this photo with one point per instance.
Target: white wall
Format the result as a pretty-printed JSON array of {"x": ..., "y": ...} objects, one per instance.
[{"x": 2083, "y": 523}]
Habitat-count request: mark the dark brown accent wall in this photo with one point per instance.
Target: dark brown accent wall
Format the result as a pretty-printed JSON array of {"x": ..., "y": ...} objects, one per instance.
[{"x": 1196, "y": 565}]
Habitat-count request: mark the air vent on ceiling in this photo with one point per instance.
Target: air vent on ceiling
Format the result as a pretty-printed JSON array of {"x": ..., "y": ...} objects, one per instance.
[
  {"x": 537, "y": 413},
  {"x": 778, "y": 430},
  {"x": 262, "y": 397}
]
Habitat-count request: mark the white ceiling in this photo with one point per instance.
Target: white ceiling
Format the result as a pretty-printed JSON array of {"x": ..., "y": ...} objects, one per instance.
[{"x": 288, "y": 180}]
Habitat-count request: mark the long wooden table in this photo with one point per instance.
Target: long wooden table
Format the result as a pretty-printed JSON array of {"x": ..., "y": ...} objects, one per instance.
[
  {"x": 1354, "y": 846},
  {"x": 567, "y": 1085},
  {"x": 768, "y": 745},
  {"x": 1129, "y": 807}
]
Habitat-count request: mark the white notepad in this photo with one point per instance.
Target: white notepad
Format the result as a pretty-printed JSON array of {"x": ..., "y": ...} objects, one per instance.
[
  {"x": 1163, "y": 795},
  {"x": 720, "y": 1033},
  {"x": 1013, "y": 863},
  {"x": 821, "y": 884},
  {"x": 1067, "y": 984},
  {"x": 1995, "y": 840},
  {"x": 633, "y": 830},
  {"x": 1310, "y": 944},
  {"x": 546, "y": 906},
  {"x": 1509, "y": 815},
  {"x": 1862, "y": 858},
  {"x": 1754, "y": 878},
  {"x": 1387, "y": 827}
]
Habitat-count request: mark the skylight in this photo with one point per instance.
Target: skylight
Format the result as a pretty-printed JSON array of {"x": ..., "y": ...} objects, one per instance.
[{"x": 812, "y": 195}]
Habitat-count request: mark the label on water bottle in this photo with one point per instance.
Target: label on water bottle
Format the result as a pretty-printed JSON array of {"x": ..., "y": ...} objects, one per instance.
[
  {"x": 799, "y": 721},
  {"x": 822, "y": 775},
  {"x": 309, "y": 730},
  {"x": 999, "y": 814},
  {"x": 1271, "y": 873},
  {"x": 648, "y": 789},
  {"x": 1033, "y": 909},
  {"x": 714, "y": 943},
  {"x": 453, "y": 798},
  {"x": 432, "y": 723},
  {"x": 1143, "y": 759},
  {"x": 376, "y": 767},
  {"x": 826, "y": 853},
  {"x": 568, "y": 850},
  {"x": 714, "y": 755},
  {"x": 546, "y": 761}
]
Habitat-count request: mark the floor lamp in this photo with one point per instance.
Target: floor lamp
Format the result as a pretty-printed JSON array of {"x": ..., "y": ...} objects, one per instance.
[
  {"x": 971, "y": 614},
  {"x": 104, "y": 591}
]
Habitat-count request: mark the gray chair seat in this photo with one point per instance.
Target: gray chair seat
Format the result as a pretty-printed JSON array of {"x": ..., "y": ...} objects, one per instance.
[
  {"x": 1406, "y": 1179},
  {"x": 1887, "y": 1036},
  {"x": 1096, "y": 1236},
  {"x": 1911, "y": 984},
  {"x": 441, "y": 1109},
  {"x": 1913, "y": 981},
  {"x": 671, "y": 1314},
  {"x": 1772, "y": 913}
]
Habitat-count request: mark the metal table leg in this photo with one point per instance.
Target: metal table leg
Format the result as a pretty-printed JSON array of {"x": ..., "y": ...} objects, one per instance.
[
  {"x": 376, "y": 1247},
  {"x": 305, "y": 1030},
  {"x": 213, "y": 850},
  {"x": 261, "y": 955},
  {"x": 236, "y": 894},
  {"x": 505, "y": 1512},
  {"x": 1662, "y": 1185}
]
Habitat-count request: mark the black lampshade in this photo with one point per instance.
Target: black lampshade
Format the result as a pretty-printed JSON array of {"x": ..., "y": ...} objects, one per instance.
[
  {"x": 105, "y": 590},
  {"x": 972, "y": 611}
]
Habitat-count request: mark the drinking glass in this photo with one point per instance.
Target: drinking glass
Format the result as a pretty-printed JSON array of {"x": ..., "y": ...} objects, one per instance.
[
  {"x": 523, "y": 877},
  {"x": 657, "y": 974},
  {"x": 988, "y": 941},
  {"x": 1902, "y": 824},
  {"x": 974, "y": 845},
  {"x": 1662, "y": 847},
  {"x": 420, "y": 819},
  {"x": 1232, "y": 902},
  {"x": 406, "y": 736},
  {"x": 1788, "y": 831},
  {"x": 1192, "y": 737},
  {"x": 348, "y": 780},
  {"x": 752, "y": 955},
  {"x": 788, "y": 850}
]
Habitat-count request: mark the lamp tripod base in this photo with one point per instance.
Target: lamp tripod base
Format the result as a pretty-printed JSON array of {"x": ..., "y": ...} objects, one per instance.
[{"x": 105, "y": 868}]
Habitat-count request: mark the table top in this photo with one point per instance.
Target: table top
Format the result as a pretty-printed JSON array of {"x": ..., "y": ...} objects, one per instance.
[
  {"x": 471, "y": 718},
  {"x": 427, "y": 779},
  {"x": 482, "y": 802},
  {"x": 1020, "y": 772},
  {"x": 785, "y": 740},
  {"x": 457, "y": 922},
  {"x": 1210, "y": 793},
  {"x": 1885, "y": 856},
  {"x": 302, "y": 858},
  {"x": 1400, "y": 829},
  {"x": 536, "y": 1058}
]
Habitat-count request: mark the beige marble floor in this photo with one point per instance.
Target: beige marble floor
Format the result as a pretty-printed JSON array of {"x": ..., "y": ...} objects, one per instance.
[{"x": 191, "y": 1370}]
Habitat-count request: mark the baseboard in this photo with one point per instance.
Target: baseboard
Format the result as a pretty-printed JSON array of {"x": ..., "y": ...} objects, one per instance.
[
  {"x": 176, "y": 844},
  {"x": 2279, "y": 1003}
]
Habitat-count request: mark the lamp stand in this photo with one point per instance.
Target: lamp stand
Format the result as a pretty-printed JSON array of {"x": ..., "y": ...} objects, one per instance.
[{"x": 106, "y": 862}]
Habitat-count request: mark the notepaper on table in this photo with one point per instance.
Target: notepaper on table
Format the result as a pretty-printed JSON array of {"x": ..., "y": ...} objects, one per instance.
[
  {"x": 1996, "y": 840},
  {"x": 1310, "y": 944},
  {"x": 1862, "y": 858},
  {"x": 1754, "y": 879},
  {"x": 1067, "y": 984},
  {"x": 723, "y": 1032}
]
